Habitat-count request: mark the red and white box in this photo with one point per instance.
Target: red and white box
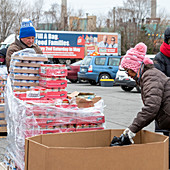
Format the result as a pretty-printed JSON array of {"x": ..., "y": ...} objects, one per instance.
[
  {"x": 51, "y": 121},
  {"x": 53, "y": 70},
  {"x": 90, "y": 119},
  {"x": 50, "y": 94},
  {"x": 31, "y": 95},
  {"x": 44, "y": 95},
  {"x": 49, "y": 83}
]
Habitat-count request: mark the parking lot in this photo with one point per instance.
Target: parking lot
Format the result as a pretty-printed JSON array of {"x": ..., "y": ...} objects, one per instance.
[{"x": 120, "y": 107}]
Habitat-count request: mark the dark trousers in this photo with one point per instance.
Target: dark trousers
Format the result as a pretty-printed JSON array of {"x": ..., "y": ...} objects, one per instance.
[
  {"x": 169, "y": 150},
  {"x": 166, "y": 133}
]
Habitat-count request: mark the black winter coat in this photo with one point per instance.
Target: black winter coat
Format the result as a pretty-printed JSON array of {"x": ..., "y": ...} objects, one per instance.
[{"x": 162, "y": 63}]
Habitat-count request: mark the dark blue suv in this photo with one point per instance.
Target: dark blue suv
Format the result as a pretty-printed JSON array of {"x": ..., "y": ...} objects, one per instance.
[{"x": 94, "y": 68}]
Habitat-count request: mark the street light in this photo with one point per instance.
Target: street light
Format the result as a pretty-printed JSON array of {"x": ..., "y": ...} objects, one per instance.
[{"x": 87, "y": 21}]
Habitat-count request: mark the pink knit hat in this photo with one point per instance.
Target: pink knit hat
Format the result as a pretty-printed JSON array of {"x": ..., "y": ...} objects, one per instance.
[{"x": 135, "y": 56}]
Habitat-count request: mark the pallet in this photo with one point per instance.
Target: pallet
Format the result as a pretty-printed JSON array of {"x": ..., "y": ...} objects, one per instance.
[
  {"x": 3, "y": 124},
  {"x": 3, "y": 127},
  {"x": 3, "y": 134}
]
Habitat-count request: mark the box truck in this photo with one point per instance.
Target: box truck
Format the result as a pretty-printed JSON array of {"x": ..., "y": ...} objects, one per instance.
[{"x": 70, "y": 46}]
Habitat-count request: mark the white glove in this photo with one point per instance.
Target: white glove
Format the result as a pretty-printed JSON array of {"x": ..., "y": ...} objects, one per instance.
[{"x": 130, "y": 134}]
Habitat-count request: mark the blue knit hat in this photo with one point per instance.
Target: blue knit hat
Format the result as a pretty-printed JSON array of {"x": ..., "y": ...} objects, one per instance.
[{"x": 27, "y": 29}]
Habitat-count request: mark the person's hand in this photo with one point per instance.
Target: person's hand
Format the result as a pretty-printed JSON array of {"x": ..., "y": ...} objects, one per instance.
[{"x": 130, "y": 134}]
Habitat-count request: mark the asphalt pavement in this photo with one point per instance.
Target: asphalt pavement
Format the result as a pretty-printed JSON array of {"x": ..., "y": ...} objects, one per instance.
[{"x": 120, "y": 107}]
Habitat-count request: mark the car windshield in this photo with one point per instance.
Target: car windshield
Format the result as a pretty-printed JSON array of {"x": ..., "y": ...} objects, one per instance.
[
  {"x": 86, "y": 61},
  {"x": 77, "y": 63}
]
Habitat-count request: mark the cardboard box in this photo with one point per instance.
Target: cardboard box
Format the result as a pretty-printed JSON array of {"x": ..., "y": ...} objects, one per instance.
[
  {"x": 84, "y": 100},
  {"x": 26, "y": 77},
  {"x": 53, "y": 83},
  {"x": 27, "y": 64},
  {"x": 81, "y": 94},
  {"x": 53, "y": 70},
  {"x": 30, "y": 58},
  {"x": 90, "y": 150},
  {"x": 25, "y": 84},
  {"x": 84, "y": 103},
  {"x": 25, "y": 71}
]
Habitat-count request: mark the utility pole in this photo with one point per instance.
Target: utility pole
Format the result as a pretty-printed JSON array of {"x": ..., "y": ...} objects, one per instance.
[
  {"x": 153, "y": 8},
  {"x": 114, "y": 19},
  {"x": 64, "y": 15},
  {"x": 87, "y": 21}
]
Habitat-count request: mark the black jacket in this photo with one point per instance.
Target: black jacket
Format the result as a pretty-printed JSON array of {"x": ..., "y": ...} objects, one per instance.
[
  {"x": 3, "y": 54},
  {"x": 162, "y": 63}
]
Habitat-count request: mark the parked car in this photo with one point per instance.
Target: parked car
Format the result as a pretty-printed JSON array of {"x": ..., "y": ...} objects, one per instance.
[
  {"x": 125, "y": 81},
  {"x": 9, "y": 40},
  {"x": 94, "y": 68},
  {"x": 72, "y": 71}
]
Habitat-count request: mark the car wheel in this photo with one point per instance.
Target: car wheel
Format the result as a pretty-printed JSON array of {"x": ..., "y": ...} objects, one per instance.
[
  {"x": 126, "y": 88},
  {"x": 138, "y": 88},
  {"x": 103, "y": 76},
  {"x": 73, "y": 81},
  {"x": 92, "y": 82},
  {"x": 82, "y": 81}
]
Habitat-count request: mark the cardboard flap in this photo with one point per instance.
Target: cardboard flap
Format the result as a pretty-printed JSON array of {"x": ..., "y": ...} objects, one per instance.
[
  {"x": 74, "y": 94},
  {"x": 36, "y": 155},
  {"x": 96, "y": 138}
]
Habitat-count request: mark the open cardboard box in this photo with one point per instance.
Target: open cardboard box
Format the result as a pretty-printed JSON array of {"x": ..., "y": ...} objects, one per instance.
[
  {"x": 84, "y": 100},
  {"x": 90, "y": 150}
]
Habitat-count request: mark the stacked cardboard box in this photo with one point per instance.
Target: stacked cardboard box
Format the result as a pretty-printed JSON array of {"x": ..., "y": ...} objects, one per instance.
[
  {"x": 53, "y": 78},
  {"x": 31, "y": 118},
  {"x": 3, "y": 124},
  {"x": 24, "y": 70},
  {"x": 44, "y": 108},
  {"x": 24, "y": 75},
  {"x": 36, "y": 113},
  {"x": 64, "y": 117},
  {"x": 2, "y": 86}
]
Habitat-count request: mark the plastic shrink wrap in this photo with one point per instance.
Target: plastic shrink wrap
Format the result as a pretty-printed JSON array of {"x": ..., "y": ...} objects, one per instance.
[
  {"x": 27, "y": 117},
  {"x": 32, "y": 117}
]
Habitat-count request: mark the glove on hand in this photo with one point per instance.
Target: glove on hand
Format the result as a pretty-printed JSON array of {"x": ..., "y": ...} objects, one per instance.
[{"x": 130, "y": 134}]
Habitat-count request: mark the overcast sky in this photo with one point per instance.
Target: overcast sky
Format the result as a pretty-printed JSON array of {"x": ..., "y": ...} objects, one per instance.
[{"x": 103, "y": 6}]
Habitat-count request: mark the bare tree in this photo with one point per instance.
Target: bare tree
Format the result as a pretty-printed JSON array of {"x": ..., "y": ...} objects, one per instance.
[
  {"x": 11, "y": 14},
  {"x": 7, "y": 17},
  {"x": 135, "y": 24},
  {"x": 52, "y": 16},
  {"x": 36, "y": 11},
  {"x": 101, "y": 22},
  {"x": 21, "y": 11},
  {"x": 75, "y": 19}
]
